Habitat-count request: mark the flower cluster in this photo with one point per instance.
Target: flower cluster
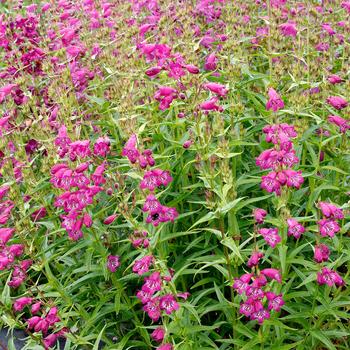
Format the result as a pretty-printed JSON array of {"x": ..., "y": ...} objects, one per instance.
[
  {"x": 328, "y": 227},
  {"x": 329, "y": 277},
  {"x": 130, "y": 151},
  {"x": 258, "y": 302},
  {"x": 153, "y": 295},
  {"x": 281, "y": 158},
  {"x": 80, "y": 187},
  {"x": 140, "y": 239},
  {"x": 157, "y": 212},
  {"x": 46, "y": 323},
  {"x": 155, "y": 178},
  {"x": 11, "y": 253}
]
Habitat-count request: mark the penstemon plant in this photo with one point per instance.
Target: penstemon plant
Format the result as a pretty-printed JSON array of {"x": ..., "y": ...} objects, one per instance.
[{"x": 174, "y": 175}]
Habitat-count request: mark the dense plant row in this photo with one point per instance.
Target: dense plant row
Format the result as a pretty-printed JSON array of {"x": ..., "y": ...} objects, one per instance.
[{"x": 175, "y": 174}]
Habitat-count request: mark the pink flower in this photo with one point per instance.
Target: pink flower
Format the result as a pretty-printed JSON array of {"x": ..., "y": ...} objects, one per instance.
[
  {"x": 155, "y": 52},
  {"x": 18, "y": 276},
  {"x": 268, "y": 159},
  {"x": 20, "y": 303},
  {"x": 153, "y": 71},
  {"x": 3, "y": 191},
  {"x": 274, "y": 159},
  {"x": 192, "y": 69},
  {"x": 270, "y": 236},
  {"x": 254, "y": 259},
  {"x": 259, "y": 215},
  {"x": 175, "y": 69},
  {"x": 289, "y": 29},
  {"x": 168, "y": 303},
  {"x": 294, "y": 178},
  {"x": 5, "y": 235},
  {"x": 329, "y": 277},
  {"x": 62, "y": 141},
  {"x": 216, "y": 88},
  {"x": 321, "y": 253},
  {"x": 130, "y": 149},
  {"x": 35, "y": 308},
  {"x": 166, "y": 346},
  {"x": 108, "y": 220},
  {"x": 168, "y": 214},
  {"x": 155, "y": 178},
  {"x": 335, "y": 79},
  {"x": 139, "y": 239},
  {"x": 50, "y": 340},
  {"x": 183, "y": 295},
  {"x": 322, "y": 47},
  {"x": 165, "y": 95},
  {"x": 260, "y": 316},
  {"x": 246, "y": 309},
  {"x": 330, "y": 210},
  {"x": 158, "y": 334},
  {"x": 31, "y": 146},
  {"x": 327, "y": 27},
  {"x": 42, "y": 325},
  {"x": 274, "y": 102},
  {"x": 102, "y": 147},
  {"x": 273, "y": 274},
  {"x": 147, "y": 156},
  {"x": 280, "y": 134},
  {"x": 262, "y": 32},
  {"x": 278, "y": 3},
  {"x": 346, "y": 5},
  {"x": 152, "y": 205},
  {"x": 39, "y": 214},
  {"x": 211, "y": 62},
  {"x": 187, "y": 144},
  {"x": 241, "y": 284},
  {"x": 6, "y": 90},
  {"x": 33, "y": 321},
  {"x": 275, "y": 301},
  {"x": 337, "y": 102},
  {"x": 87, "y": 220},
  {"x": 246, "y": 19},
  {"x": 5, "y": 259},
  {"x": 210, "y": 105},
  {"x": 153, "y": 283},
  {"x": 342, "y": 123},
  {"x": 255, "y": 293},
  {"x": 328, "y": 227},
  {"x": 143, "y": 296},
  {"x": 98, "y": 176},
  {"x": 270, "y": 183},
  {"x": 113, "y": 262},
  {"x": 16, "y": 249},
  {"x": 79, "y": 149},
  {"x": 46, "y": 7},
  {"x": 51, "y": 317},
  {"x": 142, "y": 265},
  {"x": 152, "y": 308},
  {"x": 259, "y": 281},
  {"x": 294, "y": 228},
  {"x": 250, "y": 306}
]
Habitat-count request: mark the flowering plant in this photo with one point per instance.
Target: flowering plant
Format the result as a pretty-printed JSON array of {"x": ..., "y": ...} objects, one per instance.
[{"x": 175, "y": 175}]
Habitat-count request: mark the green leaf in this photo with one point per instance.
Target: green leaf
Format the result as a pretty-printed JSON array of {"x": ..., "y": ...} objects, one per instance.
[
  {"x": 98, "y": 340},
  {"x": 323, "y": 338}
]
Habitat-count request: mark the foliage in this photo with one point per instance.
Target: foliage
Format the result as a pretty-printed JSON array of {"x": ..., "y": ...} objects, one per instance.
[{"x": 133, "y": 159}]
